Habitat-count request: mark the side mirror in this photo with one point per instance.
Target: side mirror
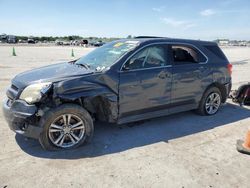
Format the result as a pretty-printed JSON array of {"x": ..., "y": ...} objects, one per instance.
[{"x": 125, "y": 68}]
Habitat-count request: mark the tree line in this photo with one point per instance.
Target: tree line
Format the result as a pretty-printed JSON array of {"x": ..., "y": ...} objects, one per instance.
[{"x": 65, "y": 38}]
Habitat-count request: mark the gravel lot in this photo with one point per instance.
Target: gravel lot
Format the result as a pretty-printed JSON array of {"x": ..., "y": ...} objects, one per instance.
[{"x": 181, "y": 150}]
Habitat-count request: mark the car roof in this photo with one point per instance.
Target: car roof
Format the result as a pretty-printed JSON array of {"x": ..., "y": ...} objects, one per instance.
[{"x": 165, "y": 39}]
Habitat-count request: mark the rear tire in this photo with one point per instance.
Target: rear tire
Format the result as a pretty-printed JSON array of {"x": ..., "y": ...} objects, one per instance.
[
  {"x": 210, "y": 102},
  {"x": 65, "y": 127}
]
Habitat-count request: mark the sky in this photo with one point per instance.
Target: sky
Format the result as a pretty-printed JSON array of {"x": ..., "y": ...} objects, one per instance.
[{"x": 195, "y": 19}]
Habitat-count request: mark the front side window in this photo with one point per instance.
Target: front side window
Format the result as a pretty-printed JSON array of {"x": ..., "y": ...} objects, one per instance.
[
  {"x": 150, "y": 57},
  {"x": 186, "y": 55}
]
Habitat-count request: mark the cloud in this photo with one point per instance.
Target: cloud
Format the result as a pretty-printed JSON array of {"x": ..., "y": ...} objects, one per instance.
[
  {"x": 207, "y": 12},
  {"x": 178, "y": 23},
  {"x": 158, "y": 9}
]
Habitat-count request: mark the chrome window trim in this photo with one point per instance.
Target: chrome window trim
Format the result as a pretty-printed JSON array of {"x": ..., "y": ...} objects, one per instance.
[
  {"x": 159, "y": 43},
  {"x": 165, "y": 66}
]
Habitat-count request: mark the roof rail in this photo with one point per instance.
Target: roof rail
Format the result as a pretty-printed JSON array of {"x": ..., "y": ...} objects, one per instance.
[{"x": 139, "y": 37}]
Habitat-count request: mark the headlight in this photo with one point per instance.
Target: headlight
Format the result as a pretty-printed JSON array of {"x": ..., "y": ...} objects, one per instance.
[{"x": 33, "y": 93}]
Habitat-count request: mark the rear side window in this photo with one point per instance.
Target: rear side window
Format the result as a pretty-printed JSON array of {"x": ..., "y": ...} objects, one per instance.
[
  {"x": 216, "y": 51},
  {"x": 183, "y": 54}
]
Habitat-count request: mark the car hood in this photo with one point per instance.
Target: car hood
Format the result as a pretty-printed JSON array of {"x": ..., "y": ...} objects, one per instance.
[{"x": 51, "y": 73}]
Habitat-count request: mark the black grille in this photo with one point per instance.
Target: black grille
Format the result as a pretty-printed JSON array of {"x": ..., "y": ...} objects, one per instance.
[
  {"x": 12, "y": 92},
  {"x": 14, "y": 87}
]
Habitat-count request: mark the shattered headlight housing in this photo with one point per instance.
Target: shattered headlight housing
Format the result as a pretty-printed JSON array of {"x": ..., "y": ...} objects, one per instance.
[{"x": 33, "y": 93}]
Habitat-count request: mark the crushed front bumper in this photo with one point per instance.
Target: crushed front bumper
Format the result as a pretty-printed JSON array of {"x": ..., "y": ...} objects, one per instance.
[{"x": 18, "y": 115}]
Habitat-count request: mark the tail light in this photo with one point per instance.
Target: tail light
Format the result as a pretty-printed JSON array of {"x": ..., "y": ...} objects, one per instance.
[{"x": 230, "y": 68}]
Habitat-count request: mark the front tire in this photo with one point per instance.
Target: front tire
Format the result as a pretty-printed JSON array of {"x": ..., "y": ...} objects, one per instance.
[
  {"x": 65, "y": 127},
  {"x": 210, "y": 102}
]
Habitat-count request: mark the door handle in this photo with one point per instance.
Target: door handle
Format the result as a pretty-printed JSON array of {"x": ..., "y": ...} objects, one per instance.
[
  {"x": 168, "y": 75},
  {"x": 202, "y": 69},
  {"x": 162, "y": 75},
  {"x": 132, "y": 86}
]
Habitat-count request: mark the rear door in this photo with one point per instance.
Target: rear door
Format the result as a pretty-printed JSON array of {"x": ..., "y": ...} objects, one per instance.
[
  {"x": 145, "y": 81},
  {"x": 190, "y": 74}
]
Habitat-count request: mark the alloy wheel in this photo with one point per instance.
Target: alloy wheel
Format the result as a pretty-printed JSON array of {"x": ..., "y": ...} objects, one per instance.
[
  {"x": 212, "y": 103},
  {"x": 66, "y": 130}
]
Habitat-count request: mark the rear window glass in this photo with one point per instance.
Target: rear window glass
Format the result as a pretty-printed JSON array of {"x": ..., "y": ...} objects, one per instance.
[
  {"x": 216, "y": 51},
  {"x": 183, "y": 54}
]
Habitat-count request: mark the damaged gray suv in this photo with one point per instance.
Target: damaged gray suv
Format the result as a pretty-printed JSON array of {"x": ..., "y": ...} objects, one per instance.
[{"x": 123, "y": 81}]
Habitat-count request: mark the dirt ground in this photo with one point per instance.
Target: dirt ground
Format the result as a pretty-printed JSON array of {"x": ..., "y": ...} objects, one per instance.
[{"x": 181, "y": 150}]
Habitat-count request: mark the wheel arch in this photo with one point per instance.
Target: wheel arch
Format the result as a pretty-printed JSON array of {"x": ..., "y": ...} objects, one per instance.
[
  {"x": 53, "y": 113},
  {"x": 98, "y": 99},
  {"x": 104, "y": 107},
  {"x": 222, "y": 89}
]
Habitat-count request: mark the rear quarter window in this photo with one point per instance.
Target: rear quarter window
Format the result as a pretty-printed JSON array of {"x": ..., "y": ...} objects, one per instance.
[
  {"x": 185, "y": 54},
  {"x": 216, "y": 51}
]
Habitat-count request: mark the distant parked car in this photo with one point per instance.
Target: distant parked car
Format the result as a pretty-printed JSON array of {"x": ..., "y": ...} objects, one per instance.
[
  {"x": 79, "y": 42},
  {"x": 123, "y": 81},
  {"x": 11, "y": 39},
  {"x": 98, "y": 44},
  {"x": 22, "y": 41},
  {"x": 31, "y": 41},
  {"x": 84, "y": 42},
  {"x": 59, "y": 42},
  {"x": 3, "y": 38},
  {"x": 66, "y": 43}
]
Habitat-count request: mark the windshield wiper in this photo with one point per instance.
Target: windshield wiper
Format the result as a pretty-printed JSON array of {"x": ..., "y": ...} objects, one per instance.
[{"x": 84, "y": 65}]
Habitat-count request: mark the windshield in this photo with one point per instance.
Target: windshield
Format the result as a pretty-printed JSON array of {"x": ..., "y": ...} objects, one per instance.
[{"x": 105, "y": 56}]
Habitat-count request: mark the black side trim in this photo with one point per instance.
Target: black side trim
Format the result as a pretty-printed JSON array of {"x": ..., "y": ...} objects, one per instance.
[{"x": 162, "y": 107}]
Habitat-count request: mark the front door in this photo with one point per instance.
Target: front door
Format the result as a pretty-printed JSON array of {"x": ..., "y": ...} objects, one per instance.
[{"x": 145, "y": 82}]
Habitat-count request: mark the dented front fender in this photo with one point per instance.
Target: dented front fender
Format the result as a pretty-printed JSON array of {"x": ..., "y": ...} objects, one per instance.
[{"x": 98, "y": 92}]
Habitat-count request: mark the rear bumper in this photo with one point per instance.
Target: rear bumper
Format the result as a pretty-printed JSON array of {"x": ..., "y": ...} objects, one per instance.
[
  {"x": 19, "y": 115},
  {"x": 228, "y": 88}
]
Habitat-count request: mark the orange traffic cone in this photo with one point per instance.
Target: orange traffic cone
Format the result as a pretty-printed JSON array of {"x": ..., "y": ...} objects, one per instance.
[{"x": 244, "y": 146}]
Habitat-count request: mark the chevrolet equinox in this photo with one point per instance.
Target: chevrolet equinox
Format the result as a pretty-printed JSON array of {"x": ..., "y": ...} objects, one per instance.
[{"x": 123, "y": 81}]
